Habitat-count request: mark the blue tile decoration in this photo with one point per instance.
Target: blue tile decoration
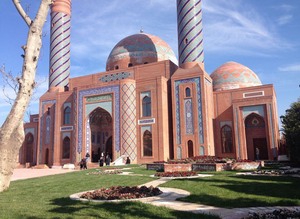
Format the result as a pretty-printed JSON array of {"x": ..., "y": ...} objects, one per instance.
[
  {"x": 41, "y": 126},
  {"x": 189, "y": 127},
  {"x": 48, "y": 130},
  {"x": 114, "y": 89},
  {"x": 74, "y": 139},
  {"x": 237, "y": 130},
  {"x": 272, "y": 130},
  {"x": 115, "y": 77},
  {"x": 199, "y": 107}
]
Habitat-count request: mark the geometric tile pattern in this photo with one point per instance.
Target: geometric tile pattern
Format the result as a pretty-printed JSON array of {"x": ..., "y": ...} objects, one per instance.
[
  {"x": 237, "y": 130},
  {"x": 115, "y": 89},
  {"x": 272, "y": 130},
  {"x": 199, "y": 107},
  {"x": 48, "y": 129},
  {"x": 59, "y": 50},
  {"x": 129, "y": 132},
  {"x": 41, "y": 126},
  {"x": 74, "y": 139},
  {"x": 114, "y": 77},
  {"x": 141, "y": 46},
  {"x": 190, "y": 36},
  {"x": 189, "y": 127},
  {"x": 234, "y": 75}
]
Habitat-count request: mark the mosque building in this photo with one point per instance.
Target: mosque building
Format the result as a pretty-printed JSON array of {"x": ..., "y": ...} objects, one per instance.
[{"x": 147, "y": 105}]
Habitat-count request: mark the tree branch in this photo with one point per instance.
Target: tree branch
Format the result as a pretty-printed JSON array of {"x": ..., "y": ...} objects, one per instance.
[{"x": 21, "y": 11}]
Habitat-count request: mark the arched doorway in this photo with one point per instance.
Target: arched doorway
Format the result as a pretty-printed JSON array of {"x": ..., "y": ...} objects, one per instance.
[
  {"x": 29, "y": 148},
  {"x": 256, "y": 136},
  {"x": 47, "y": 156},
  {"x": 108, "y": 147},
  {"x": 190, "y": 149},
  {"x": 101, "y": 134}
]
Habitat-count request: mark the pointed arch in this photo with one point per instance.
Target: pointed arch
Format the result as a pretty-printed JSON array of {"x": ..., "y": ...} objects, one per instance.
[
  {"x": 147, "y": 143},
  {"x": 226, "y": 139},
  {"x": 66, "y": 148},
  {"x": 67, "y": 116},
  {"x": 187, "y": 92},
  {"x": 29, "y": 148},
  {"x": 146, "y": 106}
]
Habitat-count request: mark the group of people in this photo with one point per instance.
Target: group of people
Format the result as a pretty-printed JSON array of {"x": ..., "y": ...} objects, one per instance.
[{"x": 103, "y": 159}]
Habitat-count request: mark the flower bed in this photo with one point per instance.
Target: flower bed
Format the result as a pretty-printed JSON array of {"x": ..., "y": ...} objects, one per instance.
[
  {"x": 121, "y": 193},
  {"x": 276, "y": 214},
  {"x": 105, "y": 172},
  {"x": 176, "y": 174}
]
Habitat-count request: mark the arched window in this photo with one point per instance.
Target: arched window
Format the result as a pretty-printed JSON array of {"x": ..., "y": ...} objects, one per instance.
[
  {"x": 190, "y": 149},
  {"x": 201, "y": 151},
  {"x": 179, "y": 154},
  {"x": 130, "y": 65},
  {"x": 66, "y": 148},
  {"x": 226, "y": 135},
  {"x": 67, "y": 116},
  {"x": 187, "y": 92},
  {"x": 146, "y": 107},
  {"x": 117, "y": 67},
  {"x": 147, "y": 143}
]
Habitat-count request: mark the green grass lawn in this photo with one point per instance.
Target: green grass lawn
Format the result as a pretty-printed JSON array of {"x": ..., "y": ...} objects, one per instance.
[
  {"x": 228, "y": 190},
  {"x": 48, "y": 197}
]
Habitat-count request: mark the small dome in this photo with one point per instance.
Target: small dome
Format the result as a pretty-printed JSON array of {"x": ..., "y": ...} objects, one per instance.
[
  {"x": 233, "y": 75},
  {"x": 139, "y": 49}
]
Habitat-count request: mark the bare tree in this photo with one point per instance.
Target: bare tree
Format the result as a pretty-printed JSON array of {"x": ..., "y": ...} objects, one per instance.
[{"x": 12, "y": 130}]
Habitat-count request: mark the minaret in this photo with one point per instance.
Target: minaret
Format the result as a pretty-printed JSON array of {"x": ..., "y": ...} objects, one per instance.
[
  {"x": 190, "y": 36},
  {"x": 59, "y": 70}
]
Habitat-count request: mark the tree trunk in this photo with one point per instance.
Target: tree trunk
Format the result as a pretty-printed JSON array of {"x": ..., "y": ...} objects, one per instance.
[{"x": 12, "y": 130}]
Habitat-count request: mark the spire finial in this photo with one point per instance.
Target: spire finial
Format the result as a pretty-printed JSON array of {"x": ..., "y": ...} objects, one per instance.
[{"x": 141, "y": 30}]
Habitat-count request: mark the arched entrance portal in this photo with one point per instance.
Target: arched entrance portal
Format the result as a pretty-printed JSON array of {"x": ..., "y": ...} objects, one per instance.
[
  {"x": 101, "y": 132},
  {"x": 256, "y": 137}
]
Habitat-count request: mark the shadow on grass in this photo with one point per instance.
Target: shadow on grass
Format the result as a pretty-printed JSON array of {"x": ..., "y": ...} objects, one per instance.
[
  {"x": 241, "y": 191},
  {"x": 123, "y": 210}
]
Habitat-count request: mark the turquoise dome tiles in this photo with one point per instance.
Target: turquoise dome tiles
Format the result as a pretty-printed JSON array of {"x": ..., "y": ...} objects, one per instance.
[
  {"x": 232, "y": 75},
  {"x": 142, "y": 42},
  {"x": 139, "y": 49}
]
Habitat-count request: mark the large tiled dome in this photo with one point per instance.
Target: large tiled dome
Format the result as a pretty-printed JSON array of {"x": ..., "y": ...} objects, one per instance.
[
  {"x": 232, "y": 75},
  {"x": 139, "y": 49}
]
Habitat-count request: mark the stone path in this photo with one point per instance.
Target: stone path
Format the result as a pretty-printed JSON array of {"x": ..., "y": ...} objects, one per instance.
[{"x": 170, "y": 202}]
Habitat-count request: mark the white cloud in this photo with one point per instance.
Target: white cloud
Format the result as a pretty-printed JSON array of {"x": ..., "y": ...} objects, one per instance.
[
  {"x": 295, "y": 67},
  {"x": 284, "y": 19},
  {"x": 231, "y": 26}
]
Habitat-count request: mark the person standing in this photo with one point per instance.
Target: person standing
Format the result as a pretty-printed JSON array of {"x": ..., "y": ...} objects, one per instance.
[
  {"x": 101, "y": 161},
  {"x": 257, "y": 153},
  {"x": 127, "y": 160},
  {"x": 87, "y": 157},
  {"x": 107, "y": 160}
]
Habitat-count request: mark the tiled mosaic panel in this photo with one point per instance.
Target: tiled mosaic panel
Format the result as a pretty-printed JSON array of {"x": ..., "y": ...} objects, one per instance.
[
  {"x": 129, "y": 141},
  {"x": 115, "y": 77},
  {"x": 199, "y": 107},
  {"x": 42, "y": 127},
  {"x": 189, "y": 127}
]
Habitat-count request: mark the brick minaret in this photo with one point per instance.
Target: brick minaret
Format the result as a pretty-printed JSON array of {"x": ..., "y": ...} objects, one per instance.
[
  {"x": 190, "y": 37},
  {"x": 59, "y": 70}
]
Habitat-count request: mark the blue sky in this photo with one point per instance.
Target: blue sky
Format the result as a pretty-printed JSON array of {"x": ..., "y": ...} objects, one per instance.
[{"x": 262, "y": 35}]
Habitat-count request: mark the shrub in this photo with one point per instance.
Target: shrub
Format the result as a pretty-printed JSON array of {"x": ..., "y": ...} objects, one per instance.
[{"x": 177, "y": 174}]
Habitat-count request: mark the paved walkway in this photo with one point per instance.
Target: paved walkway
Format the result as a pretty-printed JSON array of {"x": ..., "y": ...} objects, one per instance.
[
  {"x": 33, "y": 173},
  {"x": 167, "y": 200},
  {"x": 170, "y": 202}
]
